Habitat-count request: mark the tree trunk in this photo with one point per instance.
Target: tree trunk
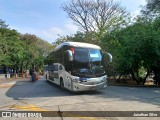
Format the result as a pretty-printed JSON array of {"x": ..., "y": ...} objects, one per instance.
[
  {"x": 15, "y": 74},
  {"x": 144, "y": 80},
  {"x": 120, "y": 77},
  {"x": 134, "y": 78},
  {"x": 156, "y": 72}
]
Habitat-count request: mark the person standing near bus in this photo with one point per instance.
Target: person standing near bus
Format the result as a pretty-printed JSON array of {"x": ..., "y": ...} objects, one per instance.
[{"x": 31, "y": 74}]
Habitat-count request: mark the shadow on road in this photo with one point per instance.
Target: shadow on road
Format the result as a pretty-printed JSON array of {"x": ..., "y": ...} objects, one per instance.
[{"x": 42, "y": 88}]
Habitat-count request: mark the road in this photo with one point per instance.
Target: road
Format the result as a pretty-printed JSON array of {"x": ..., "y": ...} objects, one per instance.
[{"x": 44, "y": 96}]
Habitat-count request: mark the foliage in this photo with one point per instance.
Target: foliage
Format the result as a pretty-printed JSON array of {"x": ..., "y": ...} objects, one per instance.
[
  {"x": 134, "y": 48},
  {"x": 96, "y": 16},
  {"x": 77, "y": 37},
  {"x": 2, "y": 24},
  {"x": 152, "y": 10},
  {"x": 21, "y": 52},
  {"x": 35, "y": 51}
]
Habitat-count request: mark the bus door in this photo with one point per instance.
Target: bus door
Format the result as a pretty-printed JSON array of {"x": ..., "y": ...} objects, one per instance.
[
  {"x": 56, "y": 74},
  {"x": 62, "y": 75},
  {"x": 50, "y": 72}
]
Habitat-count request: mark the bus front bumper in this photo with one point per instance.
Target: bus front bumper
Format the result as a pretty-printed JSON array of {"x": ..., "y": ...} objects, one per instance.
[{"x": 83, "y": 87}]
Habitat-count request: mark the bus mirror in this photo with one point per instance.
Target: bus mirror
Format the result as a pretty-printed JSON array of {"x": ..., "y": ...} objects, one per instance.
[
  {"x": 110, "y": 56},
  {"x": 70, "y": 55}
]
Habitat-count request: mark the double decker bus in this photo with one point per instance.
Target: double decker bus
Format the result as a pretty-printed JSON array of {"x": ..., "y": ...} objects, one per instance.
[{"x": 77, "y": 66}]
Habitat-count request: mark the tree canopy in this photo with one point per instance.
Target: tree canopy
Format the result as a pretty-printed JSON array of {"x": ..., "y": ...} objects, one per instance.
[
  {"x": 152, "y": 9},
  {"x": 21, "y": 51},
  {"x": 96, "y": 16}
]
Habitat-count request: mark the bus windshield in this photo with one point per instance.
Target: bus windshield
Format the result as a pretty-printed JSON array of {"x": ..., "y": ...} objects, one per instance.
[
  {"x": 87, "y": 55},
  {"x": 87, "y": 62}
]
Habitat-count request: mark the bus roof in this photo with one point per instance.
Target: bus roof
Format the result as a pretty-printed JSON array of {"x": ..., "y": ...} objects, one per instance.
[{"x": 77, "y": 44}]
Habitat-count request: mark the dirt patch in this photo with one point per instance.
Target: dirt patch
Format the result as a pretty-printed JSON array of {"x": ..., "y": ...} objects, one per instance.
[{"x": 128, "y": 82}]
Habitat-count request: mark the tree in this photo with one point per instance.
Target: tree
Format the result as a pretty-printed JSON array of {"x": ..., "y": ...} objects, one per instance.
[
  {"x": 153, "y": 5},
  {"x": 11, "y": 48},
  {"x": 151, "y": 14},
  {"x": 98, "y": 16},
  {"x": 77, "y": 37},
  {"x": 152, "y": 8},
  {"x": 3, "y": 24},
  {"x": 20, "y": 52},
  {"x": 36, "y": 50},
  {"x": 136, "y": 49}
]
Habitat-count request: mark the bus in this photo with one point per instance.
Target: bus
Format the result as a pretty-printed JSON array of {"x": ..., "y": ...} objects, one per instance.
[{"x": 77, "y": 66}]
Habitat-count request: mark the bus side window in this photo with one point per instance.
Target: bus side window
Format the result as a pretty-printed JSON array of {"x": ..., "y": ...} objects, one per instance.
[
  {"x": 60, "y": 67},
  {"x": 55, "y": 67}
]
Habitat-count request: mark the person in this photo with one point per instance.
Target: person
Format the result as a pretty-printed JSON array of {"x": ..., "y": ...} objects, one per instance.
[
  {"x": 31, "y": 74},
  {"x": 34, "y": 75}
]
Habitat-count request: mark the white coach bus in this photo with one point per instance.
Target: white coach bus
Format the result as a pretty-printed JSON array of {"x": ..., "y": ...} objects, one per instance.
[{"x": 77, "y": 66}]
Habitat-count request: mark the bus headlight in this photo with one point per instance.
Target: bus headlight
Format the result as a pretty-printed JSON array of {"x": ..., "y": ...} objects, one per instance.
[
  {"x": 104, "y": 79},
  {"x": 76, "y": 79}
]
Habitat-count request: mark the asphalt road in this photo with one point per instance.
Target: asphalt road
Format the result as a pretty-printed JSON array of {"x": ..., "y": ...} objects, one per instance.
[{"x": 44, "y": 96}]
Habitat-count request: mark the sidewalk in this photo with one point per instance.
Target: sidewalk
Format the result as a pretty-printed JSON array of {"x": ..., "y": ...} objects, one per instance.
[
  {"x": 6, "y": 80},
  {"x": 11, "y": 81}
]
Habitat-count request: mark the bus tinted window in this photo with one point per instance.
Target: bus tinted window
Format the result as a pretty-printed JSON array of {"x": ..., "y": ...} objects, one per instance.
[
  {"x": 81, "y": 55},
  {"x": 55, "y": 67},
  {"x": 87, "y": 55},
  {"x": 95, "y": 55}
]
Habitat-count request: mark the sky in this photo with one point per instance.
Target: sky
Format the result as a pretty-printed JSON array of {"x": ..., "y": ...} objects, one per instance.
[{"x": 45, "y": 18}]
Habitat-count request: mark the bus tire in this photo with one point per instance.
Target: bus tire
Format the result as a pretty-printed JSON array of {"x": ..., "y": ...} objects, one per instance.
[{"x": 61, "y": 83}]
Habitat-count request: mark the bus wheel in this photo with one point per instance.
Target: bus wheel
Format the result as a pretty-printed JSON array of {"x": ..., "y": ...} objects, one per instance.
[{"x": 61, "y": 83}]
